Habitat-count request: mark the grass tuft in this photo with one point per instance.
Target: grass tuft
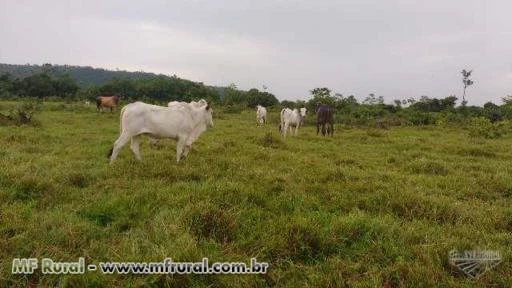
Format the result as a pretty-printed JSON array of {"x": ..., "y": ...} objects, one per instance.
[
  {"x": 212, "y": 223},
  {"x": 271, "y": 140},
  {"x": 430, "y": 167}
]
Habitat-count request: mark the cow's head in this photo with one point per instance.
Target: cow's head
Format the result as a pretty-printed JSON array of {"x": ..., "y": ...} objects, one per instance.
[
  {"x": 208, "y": 115},
  {"x": 303, "y": 112}
]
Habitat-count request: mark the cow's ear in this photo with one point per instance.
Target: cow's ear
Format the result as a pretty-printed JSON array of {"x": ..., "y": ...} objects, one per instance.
[{"x": 207, "y": 107}]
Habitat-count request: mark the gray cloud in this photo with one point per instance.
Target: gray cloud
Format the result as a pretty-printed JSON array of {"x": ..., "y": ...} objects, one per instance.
[{"x": 396, "y": 49}]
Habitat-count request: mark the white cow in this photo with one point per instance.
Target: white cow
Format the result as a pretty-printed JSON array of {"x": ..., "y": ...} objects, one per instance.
[
  {"x": 184, "y": 124},
  {"x": 197, "y": 104},
  {"x": 291, "y": 118},
  {"x": 261, "y": 114}
]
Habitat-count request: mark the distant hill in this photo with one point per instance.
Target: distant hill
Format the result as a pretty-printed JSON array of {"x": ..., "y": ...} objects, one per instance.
[{"x": 83, "y": 75}]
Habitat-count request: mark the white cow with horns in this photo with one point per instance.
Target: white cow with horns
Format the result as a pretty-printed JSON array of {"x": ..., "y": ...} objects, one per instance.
[
  {"x": 184, "y": 123},
  {"x": 291, "y": 119}
]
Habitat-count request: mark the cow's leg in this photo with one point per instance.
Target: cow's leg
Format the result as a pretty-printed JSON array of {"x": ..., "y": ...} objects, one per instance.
[
  {"x": 285, "y": 128},
  {"x": 186, "y": 149},
  {"x": 135, "y": 146},
  {"x": 317, "y": 128},
  {"x": 179, "y": 148},
  {"x": 120, "y": 142}
]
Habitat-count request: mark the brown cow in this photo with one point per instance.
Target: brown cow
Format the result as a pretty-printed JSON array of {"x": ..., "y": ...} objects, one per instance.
[{"x": 107, "y": 102}]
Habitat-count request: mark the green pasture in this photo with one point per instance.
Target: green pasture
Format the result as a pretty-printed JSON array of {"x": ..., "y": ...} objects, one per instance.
[{"x": 366, "y": 208}]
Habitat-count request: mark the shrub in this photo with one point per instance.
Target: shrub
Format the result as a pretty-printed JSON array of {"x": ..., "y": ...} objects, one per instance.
[
  {"x": 23, "y": 114},
  {"x": 233, "y": 109},
  {"x": 483, "y": 127},
  {"x": 390, "y": 120},
  {"x": 420, "y": 118},
  {"x": 269, "y": 140}
]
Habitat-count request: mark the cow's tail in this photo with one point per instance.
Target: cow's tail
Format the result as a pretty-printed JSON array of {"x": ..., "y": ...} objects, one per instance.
[
  {"x": 121, "y": 119},
  {"x": 281, "y": 127}
]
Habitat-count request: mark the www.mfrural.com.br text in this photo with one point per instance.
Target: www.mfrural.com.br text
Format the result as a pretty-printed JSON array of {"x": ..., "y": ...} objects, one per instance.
[{"x": 167, "y": 266}]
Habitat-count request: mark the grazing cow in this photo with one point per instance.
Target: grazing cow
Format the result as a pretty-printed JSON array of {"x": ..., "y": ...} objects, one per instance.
[
  {"x": 107, "y": 102},
  {"x": 324, "y": 116},
  {"x": 184, "y": 124},
  {"x": 261, "y": 114},
  {"x": 290, "y": 119}
]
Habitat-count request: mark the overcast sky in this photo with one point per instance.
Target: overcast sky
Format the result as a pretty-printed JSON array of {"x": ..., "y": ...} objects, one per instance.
[{"x": 393, "y": 48}]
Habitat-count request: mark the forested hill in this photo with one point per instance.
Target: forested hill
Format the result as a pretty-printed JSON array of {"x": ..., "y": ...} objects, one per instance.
[{"x": 83, "y": 75}]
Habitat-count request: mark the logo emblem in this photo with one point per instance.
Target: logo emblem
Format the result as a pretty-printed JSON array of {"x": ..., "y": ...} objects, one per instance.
[{"x": 474, "y": 263}]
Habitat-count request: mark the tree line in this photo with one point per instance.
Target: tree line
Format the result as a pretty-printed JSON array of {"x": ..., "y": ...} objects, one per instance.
[
  {"x": 373, "y": 111},
  {"x": 158, "y": 89},
  {"x": 348, "y": 110}
]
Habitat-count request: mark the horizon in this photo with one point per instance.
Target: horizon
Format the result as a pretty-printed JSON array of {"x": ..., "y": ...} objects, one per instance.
[{"x": 358, "y": 97}]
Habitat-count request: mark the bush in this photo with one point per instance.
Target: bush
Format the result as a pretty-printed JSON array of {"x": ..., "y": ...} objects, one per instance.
[
  {"x": 269, "y": 140},
  {"x": 234, "y": 109},
  {"x": 483, "y": 127},
  {"x": 420, "y": 118},
  {"x": 23, "y": 114}
]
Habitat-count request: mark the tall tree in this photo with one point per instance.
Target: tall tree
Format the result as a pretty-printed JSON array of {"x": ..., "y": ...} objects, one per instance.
[
  {"x": 467, "y": 82},
  {"x": 320, "y": 95}
]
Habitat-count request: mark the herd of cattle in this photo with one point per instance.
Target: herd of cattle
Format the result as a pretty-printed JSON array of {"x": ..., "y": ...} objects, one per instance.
[{"x": 185, "y": 122}]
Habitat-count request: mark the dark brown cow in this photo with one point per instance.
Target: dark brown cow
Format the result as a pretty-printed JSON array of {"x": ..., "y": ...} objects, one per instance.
[
  {"x": 107, "y": 102},
  {"x": 324, "y": 116}
]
